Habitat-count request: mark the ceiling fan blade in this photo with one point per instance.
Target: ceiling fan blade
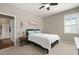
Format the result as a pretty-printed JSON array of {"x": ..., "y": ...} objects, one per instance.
[
  {"x": 48, "y": 8},
  {"x": 53, "y": 3},
  {"x": 41, "y": 7}
]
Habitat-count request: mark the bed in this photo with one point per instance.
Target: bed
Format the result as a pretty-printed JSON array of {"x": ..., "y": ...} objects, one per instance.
[{"x": 42, "y": 39}]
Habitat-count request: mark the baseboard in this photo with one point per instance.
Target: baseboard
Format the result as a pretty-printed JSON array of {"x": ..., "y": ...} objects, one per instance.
[{"x": 68, "y": 42}]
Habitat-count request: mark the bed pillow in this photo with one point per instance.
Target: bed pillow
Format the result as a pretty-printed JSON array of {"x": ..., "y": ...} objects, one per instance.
[
  {"x": 38, "y": 31},
  {"x": 31, "y": 32}
]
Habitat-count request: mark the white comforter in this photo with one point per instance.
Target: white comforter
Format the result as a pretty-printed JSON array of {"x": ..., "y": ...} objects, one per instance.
[{"x": 45, "y": 40}]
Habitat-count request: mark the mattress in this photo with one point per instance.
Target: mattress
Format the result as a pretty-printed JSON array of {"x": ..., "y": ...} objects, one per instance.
[{"x": 45, "y": 40}]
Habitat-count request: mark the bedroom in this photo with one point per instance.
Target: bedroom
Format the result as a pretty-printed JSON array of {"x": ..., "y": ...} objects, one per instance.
[{"x": 29, "y": 16}]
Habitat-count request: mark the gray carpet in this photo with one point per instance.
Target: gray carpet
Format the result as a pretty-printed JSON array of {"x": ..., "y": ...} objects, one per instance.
[{"x": 32, "y": 49}]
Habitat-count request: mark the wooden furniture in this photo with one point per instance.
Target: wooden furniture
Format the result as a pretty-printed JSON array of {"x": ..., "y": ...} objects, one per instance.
[
  {"x": 23, "y": 39},
  {"x": 77, "y": 43},
  {"x": 5, "y": 43}
]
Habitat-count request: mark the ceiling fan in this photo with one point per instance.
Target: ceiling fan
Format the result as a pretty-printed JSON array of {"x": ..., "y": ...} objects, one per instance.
[{"x": 47, "y": 5}]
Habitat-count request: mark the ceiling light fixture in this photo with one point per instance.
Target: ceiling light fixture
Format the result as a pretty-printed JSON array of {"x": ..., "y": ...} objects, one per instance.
[{"x": 47, "y": 5}]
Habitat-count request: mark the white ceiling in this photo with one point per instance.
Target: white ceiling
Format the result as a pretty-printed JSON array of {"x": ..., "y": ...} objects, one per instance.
[{"x": 34, "y": 8}]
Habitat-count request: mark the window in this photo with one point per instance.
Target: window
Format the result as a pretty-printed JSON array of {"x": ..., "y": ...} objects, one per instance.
[{"x": 71, "y": 23}]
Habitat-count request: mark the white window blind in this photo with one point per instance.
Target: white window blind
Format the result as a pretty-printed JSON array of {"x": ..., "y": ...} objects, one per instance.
[{"x": 71, "y": 23}]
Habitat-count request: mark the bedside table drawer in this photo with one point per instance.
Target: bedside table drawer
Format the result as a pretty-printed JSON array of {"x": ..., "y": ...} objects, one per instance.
[{"x": 23, "y": 39}]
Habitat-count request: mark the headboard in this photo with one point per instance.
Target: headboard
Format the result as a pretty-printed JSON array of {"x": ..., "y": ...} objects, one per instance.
[{"x": 31, "y": 30}]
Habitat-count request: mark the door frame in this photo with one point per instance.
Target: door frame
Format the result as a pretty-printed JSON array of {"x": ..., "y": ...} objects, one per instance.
[{"x": 6, "y": 14}]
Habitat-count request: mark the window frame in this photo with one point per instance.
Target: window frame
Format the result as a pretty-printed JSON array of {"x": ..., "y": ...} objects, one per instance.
[{"x": 71, "y": 15}]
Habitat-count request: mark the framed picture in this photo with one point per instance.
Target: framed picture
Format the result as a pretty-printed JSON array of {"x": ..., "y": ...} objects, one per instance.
[{"x": 31, "y": 22}]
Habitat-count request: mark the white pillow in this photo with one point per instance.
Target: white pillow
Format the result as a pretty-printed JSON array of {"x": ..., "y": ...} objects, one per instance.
[
  {"x": 31, "y": 32},
  {"x": 38, "y": 31}
]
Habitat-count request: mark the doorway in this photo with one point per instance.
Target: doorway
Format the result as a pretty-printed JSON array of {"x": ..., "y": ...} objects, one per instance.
[{"x": 7, "y": 30}]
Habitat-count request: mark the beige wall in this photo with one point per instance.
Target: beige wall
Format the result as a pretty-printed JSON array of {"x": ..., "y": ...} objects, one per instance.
[
  {"x": 55, "y": 24},
  {"x": 21, "y": 16}
]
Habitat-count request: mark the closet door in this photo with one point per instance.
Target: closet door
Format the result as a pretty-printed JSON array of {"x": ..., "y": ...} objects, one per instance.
[{"x": 5, "y": 29}]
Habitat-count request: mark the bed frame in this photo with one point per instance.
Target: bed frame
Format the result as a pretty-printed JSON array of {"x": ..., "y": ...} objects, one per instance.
[{"x": 52, "y": 45}]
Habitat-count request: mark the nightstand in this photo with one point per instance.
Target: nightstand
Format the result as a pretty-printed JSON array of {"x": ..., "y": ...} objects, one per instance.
[{"x": 23, "y": 39}]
